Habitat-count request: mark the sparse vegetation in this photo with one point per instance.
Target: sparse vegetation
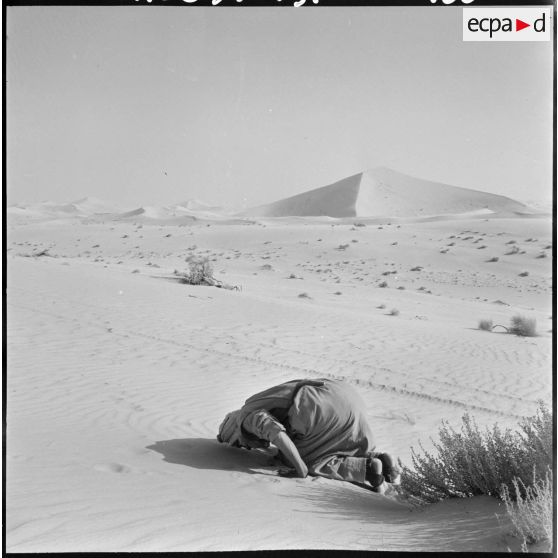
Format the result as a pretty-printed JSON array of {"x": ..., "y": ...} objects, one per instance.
[
  {"x": 304, "y": 295},
  {"x": 417, "y": 268},
  {"x": 514, "y": 250},
  {"x": 493, "y": 462},
  {"x": 524, "y": 274},
  {"x": 394, "y": 312},
  {"x": 381, "y": 306},
  {"x": 493, "y": 259},
  {"x": 531, "y": 514},
  {"x": 524, "y": 327},
  {"x": 200, "y": 271},
  {"x": 383, "y": 284},
  {"x": 520, "y": 325}
]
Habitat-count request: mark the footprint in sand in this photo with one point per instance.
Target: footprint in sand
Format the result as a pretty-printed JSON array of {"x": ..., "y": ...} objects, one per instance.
[{"x": 112, "y": 468}]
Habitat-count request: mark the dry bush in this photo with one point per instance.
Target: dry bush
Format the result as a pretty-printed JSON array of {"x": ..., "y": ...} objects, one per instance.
[
  {"x": 524, "y": 327},
  {"x": 532, "y": 513},
  {"x": 200, "y": 271},
  {"x": 514, "y": 250},
  {"x": 486, "y": 325},
  {"x": 383, "y": 284},
  {"x": 493, "y": 259},
  {"x": 471, "y": 462},
  {"x": 394, "y": 312}
]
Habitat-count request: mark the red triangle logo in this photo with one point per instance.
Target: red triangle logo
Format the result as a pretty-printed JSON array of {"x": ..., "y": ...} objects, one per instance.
[{"x": 519, "y": 25}]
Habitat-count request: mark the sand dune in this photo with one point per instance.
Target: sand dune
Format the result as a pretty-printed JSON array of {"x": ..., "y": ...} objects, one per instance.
[
  {"x": 383, "y": 192},
  {"x": 377, "y": 194}
]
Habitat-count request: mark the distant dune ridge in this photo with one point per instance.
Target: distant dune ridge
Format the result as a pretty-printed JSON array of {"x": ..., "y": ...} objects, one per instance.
[
  {"x": 376, "y": 193},
  {"x": 382, "y": 192}
]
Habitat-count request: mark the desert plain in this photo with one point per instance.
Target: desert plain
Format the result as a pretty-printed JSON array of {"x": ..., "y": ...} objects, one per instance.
[{"x": 118, "y": 374}]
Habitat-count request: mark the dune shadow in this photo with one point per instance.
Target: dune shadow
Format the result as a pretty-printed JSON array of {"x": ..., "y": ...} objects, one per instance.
[{"x": 206, "y": 453}]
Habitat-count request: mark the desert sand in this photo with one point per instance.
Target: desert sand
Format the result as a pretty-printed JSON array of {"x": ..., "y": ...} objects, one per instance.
[{"x": 119, "y": 375}]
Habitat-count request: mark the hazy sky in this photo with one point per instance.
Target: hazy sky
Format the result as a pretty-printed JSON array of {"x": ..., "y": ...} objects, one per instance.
[{"x": 153, "y": 104}]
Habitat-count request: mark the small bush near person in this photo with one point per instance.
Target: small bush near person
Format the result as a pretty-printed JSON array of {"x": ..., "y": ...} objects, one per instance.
[
  {"x": 472, "y": 462},
  {"x": 531, "y": 514}
]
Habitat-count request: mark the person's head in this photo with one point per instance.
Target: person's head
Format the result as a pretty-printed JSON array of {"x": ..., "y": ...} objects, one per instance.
[{"x": 229, "y": 430}]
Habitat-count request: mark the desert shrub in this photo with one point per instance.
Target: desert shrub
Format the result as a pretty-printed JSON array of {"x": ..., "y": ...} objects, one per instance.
[
  {"x": 514, "y": 250},
  {"x": 493, "y": 259},
  {"x": 417, "y": 268},
  {"x": 471, "y": 462},
  {"x": 381, "y": 306},
  {"x": 394, "y": 312},
  {"x": 542, "y": 255},
  {"x": 531, "y": 514},
  {"x": 486, "y": 325},
  {"x": 524, "y": 274},
  {"x": 524, "y": 327},
  {"x": 304, "y": 295},
  {"x": 199, "y": 271},
  {"x": 383, "y": 284}
]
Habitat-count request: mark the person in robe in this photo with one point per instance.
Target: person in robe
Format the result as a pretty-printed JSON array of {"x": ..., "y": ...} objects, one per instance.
[{"x": 319, "y": 427}]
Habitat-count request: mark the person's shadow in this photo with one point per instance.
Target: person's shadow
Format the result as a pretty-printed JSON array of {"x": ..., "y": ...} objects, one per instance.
[{"x": 205, "y": 453}]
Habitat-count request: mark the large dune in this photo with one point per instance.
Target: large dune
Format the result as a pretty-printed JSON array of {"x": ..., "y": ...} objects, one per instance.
[{"x": 382, "y": 192}]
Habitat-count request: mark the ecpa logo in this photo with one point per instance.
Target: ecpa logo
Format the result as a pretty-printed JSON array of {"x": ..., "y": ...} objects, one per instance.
[{"x": 507, "y": 24}]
